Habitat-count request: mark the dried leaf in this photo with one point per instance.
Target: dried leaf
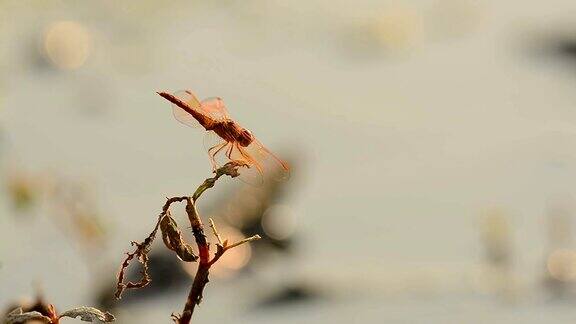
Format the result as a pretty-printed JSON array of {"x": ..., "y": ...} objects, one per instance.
[
  {"x": 230, "y": 169},
  {"x": 17, "y": 316},
  {"x": 173, "y": 240},
  {"x": 88, "y": 314}
]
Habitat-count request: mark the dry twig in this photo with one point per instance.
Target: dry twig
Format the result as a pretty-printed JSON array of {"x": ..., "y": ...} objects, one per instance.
[{"x": 172, "y": 238}]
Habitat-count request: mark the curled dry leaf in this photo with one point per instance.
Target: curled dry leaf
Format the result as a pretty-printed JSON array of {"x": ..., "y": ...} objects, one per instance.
[
  {"x": 229, "y": 169},
  {"x": 173, "y": 240},
  {"x": 17, "y": 316},
  {"x": 88, "y": 314}
]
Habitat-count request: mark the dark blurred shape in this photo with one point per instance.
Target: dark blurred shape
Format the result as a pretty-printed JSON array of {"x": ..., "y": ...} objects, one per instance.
[
  {"x": 567, "y": 48},
  {"x": 560, "y": 47},
  {"x": 563, "y": 48},
  {"x": 167, "y": 275},
  {"x": 290, "y": 294}
]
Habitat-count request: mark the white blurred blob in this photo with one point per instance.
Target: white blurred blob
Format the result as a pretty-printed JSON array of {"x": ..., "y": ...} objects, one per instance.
[
  {"x": 561, "y": 265},
  {"x": 67, "y": 44},
  {"x": 278, "y": 222}
]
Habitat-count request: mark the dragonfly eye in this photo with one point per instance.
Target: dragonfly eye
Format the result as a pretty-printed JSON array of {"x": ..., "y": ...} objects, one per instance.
[{"x": 246, "y": 137}]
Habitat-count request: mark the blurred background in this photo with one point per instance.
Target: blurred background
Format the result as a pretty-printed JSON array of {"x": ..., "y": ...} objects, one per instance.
[{"x": 432, "y": 145}]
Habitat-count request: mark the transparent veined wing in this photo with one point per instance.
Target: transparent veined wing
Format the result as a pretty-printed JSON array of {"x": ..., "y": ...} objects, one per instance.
[
  {"x": 215, "y": 108},
  {"x": 263, "y": 162},
  {"x": 182, "y": 115},
  {"x": 251, "y": 173}
]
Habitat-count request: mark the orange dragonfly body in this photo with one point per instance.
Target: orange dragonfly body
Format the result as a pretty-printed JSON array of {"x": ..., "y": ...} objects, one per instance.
[{"x": 232, "y": 141}]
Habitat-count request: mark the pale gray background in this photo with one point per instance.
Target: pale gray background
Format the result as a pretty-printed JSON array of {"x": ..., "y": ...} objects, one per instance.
[{"x": 400, "y": 147}]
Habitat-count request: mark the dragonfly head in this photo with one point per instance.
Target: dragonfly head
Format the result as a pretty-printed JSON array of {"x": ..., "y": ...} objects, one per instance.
[{"x": 245, "y": 137}]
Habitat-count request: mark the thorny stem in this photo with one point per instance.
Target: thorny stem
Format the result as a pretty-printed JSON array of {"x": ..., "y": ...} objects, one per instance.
[{"x": 173, "y": 240}]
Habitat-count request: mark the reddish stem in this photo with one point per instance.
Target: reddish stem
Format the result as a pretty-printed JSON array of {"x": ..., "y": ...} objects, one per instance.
[{"x": 201, "y": 278}]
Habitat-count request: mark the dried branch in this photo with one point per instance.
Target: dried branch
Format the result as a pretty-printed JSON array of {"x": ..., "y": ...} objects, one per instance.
[
  {"x": 172, "y": 238},
  {"x": 223, "y": 246},
  {"x": 221, "y": 249},
  {"x": 141, "y": 252},
  {"x": 215, "y": 231},
  {"x": 201, "y": 277}
]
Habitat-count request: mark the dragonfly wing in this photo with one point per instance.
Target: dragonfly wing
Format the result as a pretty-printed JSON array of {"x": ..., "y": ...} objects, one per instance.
[
  {"x": 265, "y": 162},
  {"x": 251, "y": 173},
  {"x": 215, "y": 108},
  {"x": 251, "y": 176},
  {"x": 180, "y": 114}
]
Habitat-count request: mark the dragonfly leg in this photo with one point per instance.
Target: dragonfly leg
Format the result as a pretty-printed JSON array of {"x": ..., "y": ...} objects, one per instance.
[
  {"x": 242, "y": 159},
  {"x": 215, "y": 146},
  {"x": 248, "y": 159},
  {"x": 243, "y": 154},
  {"x": 229, "y": 152},
  {"x": 212, "y": 156}
]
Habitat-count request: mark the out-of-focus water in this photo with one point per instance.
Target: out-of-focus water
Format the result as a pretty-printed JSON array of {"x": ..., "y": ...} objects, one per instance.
[{"x": 407, "y": 123}]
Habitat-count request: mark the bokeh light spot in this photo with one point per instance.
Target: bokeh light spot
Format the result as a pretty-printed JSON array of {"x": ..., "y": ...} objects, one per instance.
[
  {"x": 562, "y": 265},
  {"x": 67, "y": 44},
  {"x": 278, "y": 222},
  {"x": 232, "y": 261}
]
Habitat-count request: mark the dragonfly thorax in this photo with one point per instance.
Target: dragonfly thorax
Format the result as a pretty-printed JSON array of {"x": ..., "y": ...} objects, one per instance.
[
  {"x": 245, "y": 137},
  {"x": 231, "y": 131}
]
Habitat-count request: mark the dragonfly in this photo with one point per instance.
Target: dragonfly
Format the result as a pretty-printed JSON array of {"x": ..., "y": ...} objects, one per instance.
[{"x": 226, "y": 140}]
